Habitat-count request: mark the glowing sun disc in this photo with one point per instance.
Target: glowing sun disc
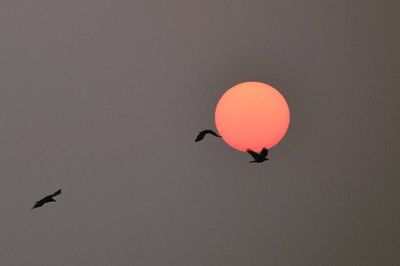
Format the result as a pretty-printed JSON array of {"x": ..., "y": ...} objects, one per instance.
[{"x": 252, "y": 115}]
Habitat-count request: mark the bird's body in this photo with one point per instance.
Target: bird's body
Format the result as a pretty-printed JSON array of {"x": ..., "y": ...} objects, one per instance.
[
  {"x": 258, "y": 157},
  {"x": 203, "y": 133},
  {"x": 47, "y": 199}
]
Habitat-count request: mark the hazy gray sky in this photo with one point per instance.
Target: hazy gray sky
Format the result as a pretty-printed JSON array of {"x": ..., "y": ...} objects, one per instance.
[{"x": 104, "y": 98}]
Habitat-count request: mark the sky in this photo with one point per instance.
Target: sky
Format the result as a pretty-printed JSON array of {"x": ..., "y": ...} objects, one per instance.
[{"x": 103, "y": 99}]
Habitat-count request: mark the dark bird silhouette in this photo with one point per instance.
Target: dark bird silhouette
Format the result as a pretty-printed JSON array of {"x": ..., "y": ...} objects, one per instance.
[
  {"x": 46, "y": 199},
  {"x": 203, "y": 133},
  {"x": 258, "y": 157}
]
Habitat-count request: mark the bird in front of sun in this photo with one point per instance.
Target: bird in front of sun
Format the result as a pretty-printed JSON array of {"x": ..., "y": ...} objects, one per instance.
[
  {"x": 203, "y": 133},
  {"x": 47, "y": 199},
  {"x": 259, "y": 157}
]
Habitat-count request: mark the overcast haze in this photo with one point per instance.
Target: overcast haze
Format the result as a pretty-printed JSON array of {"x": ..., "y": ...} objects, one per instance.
[{"x": 103, "y": 99}]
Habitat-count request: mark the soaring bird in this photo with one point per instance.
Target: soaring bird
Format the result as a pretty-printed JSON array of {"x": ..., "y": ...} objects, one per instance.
[
  {"x": 203, "y": 133},
  {"x": 258, "y": 157},
  {"x": 46, "y": 199}
]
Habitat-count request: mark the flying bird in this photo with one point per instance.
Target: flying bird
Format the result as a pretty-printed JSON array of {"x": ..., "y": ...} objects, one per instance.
[
  {"x": 258, "y": 157},
  {"x": 203, "y": 133},
  {"x": 46, "y": 199}
]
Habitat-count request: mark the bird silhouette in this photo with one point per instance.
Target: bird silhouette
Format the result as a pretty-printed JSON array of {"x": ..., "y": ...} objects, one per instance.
[
  {"x": 258, "y": 157},
  {"x": 203, "y": 133},
  {"x": 46, "y": 199}
]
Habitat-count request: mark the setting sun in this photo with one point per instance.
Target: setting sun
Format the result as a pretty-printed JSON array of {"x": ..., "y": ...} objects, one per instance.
[{"x": 252, "y": 115}]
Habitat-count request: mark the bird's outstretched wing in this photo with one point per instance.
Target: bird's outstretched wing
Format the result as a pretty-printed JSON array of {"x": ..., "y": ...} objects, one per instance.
[
  {"x": 264, "y": 152},
  {"x": 58, "y": 192},
  {"x": 38, "y": 204},
  {"x": 203, "y": 133},
  {"x": 200, "y": 136},
  {"x": 253, "y": 154}
]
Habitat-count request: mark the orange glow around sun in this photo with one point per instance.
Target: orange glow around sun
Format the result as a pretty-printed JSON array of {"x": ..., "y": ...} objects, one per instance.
[{"x": 252, "y": 115}]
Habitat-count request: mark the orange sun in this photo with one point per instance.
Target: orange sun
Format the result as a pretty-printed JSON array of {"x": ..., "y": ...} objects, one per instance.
[{"x": 252, "y": 115}]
